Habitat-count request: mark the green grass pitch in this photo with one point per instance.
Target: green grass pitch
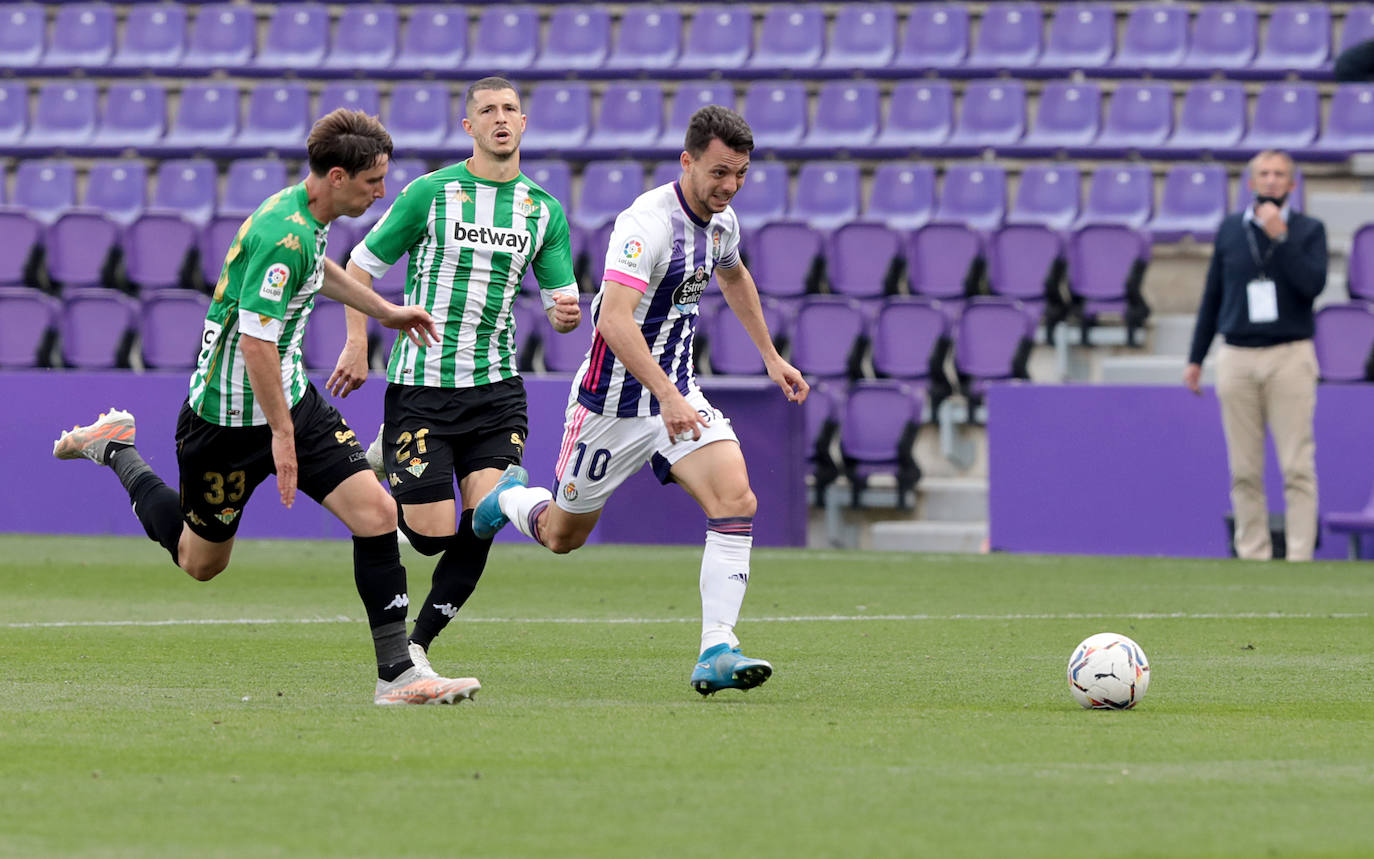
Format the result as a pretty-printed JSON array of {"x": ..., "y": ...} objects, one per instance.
[{"x": 919, "y": 708}]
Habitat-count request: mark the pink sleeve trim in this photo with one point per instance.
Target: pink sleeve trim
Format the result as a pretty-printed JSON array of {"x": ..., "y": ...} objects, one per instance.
[{"x": 624, "y": 279}]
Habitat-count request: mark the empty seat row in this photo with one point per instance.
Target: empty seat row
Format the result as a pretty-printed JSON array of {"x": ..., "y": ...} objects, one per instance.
[
  {"x": 588, "y": 38},
  {"x": 638, "y": 118}
]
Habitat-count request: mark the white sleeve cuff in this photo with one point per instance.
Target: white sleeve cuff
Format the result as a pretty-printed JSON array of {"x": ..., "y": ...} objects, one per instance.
[
  {"x": 368, "y": 261},
  {"x": 547, "y": 295},
  {"x": 260, "y": 327}
]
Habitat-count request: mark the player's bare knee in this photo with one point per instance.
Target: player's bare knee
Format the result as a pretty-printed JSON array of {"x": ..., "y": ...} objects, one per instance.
[
  {"x": 203, "y": 570},
  {"x": 376, "y": 519},
  {"x": 743, "y": 503},
  {"x": 563, "y": 543}
]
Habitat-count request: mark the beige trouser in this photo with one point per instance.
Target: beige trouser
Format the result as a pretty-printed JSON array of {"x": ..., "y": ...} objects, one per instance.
[{"x": 1274, "y": 385}]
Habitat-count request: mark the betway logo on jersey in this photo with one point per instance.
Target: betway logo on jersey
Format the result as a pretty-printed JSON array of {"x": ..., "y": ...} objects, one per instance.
[{"x": 492, "y": 238}]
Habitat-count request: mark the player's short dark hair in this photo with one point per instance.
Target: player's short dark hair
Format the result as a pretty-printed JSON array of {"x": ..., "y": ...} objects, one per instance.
[
  {"x": 492, "y": 83},
  {"x": 346, "y": 138},
  {"x": 714, "y": 122}
]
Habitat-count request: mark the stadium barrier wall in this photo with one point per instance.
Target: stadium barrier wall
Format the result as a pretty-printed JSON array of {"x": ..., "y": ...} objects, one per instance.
[
  {"x": 48, "y": 496},
  {"x": 1141, "y": 470}
]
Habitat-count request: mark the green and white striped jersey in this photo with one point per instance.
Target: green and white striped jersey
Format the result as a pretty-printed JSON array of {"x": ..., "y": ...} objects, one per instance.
[
  {"x": 266, "y": 290},
  {"x": 470, "y": 241}
]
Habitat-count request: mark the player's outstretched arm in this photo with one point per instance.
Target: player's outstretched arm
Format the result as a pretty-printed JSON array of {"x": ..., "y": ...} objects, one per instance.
[
  {"x": 350, "y": 373},
  {"x": 414, "y": 321},
  {"x": 743, "y": 297}
]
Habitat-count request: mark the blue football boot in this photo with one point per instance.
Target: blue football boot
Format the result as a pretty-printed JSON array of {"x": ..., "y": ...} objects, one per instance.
[
  {"x": 720, "y": 667},
  {"x": 487, "y": 517}
]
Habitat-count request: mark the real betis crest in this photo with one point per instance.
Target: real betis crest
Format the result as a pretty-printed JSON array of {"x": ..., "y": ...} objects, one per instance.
[
  {"x": 417, "y": 466},
  {"x": 527, "y": 207},
  {"x": 227, "y": 515}
]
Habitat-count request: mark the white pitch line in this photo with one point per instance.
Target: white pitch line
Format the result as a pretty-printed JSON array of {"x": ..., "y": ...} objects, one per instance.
[{"x": 830, "y": 618}]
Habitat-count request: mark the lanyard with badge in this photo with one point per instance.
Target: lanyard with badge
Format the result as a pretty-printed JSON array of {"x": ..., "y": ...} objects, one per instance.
[{"x": 1261, "y": 295}]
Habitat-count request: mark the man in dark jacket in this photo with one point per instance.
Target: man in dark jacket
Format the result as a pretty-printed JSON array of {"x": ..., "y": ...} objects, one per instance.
[{"x": 1268, "y": 266}]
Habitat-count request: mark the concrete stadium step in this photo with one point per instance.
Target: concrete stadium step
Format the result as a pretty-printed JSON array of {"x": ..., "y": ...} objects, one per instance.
[
  {"x": 965, "y": 538},
  {"x": 1171, "y": 334},
  {"x": 952, "y": 499}
]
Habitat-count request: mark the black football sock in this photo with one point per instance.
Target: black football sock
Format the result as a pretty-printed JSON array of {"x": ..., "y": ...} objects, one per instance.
[
  {"x": 157, "y": 505},
  {"x": 381, "y": 582},
  {"x": 455, "y": 578}
]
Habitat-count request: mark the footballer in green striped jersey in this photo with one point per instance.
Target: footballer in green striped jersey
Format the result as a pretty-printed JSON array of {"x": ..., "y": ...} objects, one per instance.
[{"x": 456, "y": 411}]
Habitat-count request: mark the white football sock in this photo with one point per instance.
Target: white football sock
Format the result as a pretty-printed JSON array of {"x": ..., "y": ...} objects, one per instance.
[
  {"x": 724, "y": 578},
  {"x": 518, "y": 502}
]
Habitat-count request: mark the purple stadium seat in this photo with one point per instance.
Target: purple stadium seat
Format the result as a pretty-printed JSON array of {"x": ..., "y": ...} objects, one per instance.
[
  {"x": 650, "y": 37},
  {"x": 974, "y": 194},
  {"x": 297, "y": 38},
  {"x": 353, "y": 95},
  {"x": 827, "y": 194},
  {"x": 631, "y": 115},
  {"x": 860, "y": 259},
  {"x": 1350, "y": 121},
  {"x": 187, "y": 186},
  {"x": 1193, "y": 203},
  {"x": 730, "y": 351},
  {"x": 155, "y": 249},
  {"x": 1119, "y": 194},
  {"x": 135, "y": 115},
  {"x": 64, "y": 117},
  {"x": 909, "y": 339},
  {"x": 777, "y": 112},
  {"x": 1355, "y": 524},
  {"x": 96, "y": 328},
  {"x": 434, "y": 38},
  {"x": 1082, "y": 36},
  {"x": 1344, "y": 341},
  {"x": 278, "y": 118},
  {"x": 14, "y": 110},
  {"x": 792, "y": 37},
  {"x": 249, "y": 182},
  {"x": 1139, "y": 114},
  {"x": 78, "y": 247},
  {"x": 222, "y": 36},
  {"x": 993, "y": 337},
  {"x": 1008, "y": 36},
  {"x": 213, "y": 243},
  {"x": 783, "y": 257},
  {"x": 83, "y": 36},
  {"x": 690, "y": 97},
  {"x": 936, "y": 37},
  {"x": 827, "y": 336},
  {"x": 579, "y": 37},
  {"x": 21, "y": 236},
  {"x": 615, "y": 186},
  {"x": 1156, "y": 37},
  {"x": 119, "y": 189},
  {"x": 172, "y": 322},
  {"x": 598, "y": 239},
  {"x": 919, "y": 114},
  {"x": 418, "y": 115},
  {"x": 45, "y": 189},
  {"x": 1048, "y": 194},
  {"x": 552, "y": 175},
  {"x": 992, "y": 113},
  {"x": 560, "y": 116},
  {"x": 563, "y": 353},
  {"x": 670, "y": 171},
  {"x": 27, "y": 318},
  {"x": 1286, "y": 117},
  {"x": 903, "y": 194},
  {"x": 1357, "y": 25},
  {"x": 1025, "y": 263},
  {"x": 365, "y": 38},
  {"x": 325, "y": 335},
  {"x": 154, "y": 37},
  {"x": 718, "y": 37},
  {"x": 1212, "y": 117},
  {"x": 878, "y": 435},
  {"x": 847, "y": 116},
  {"x": 942, "y": 261},
  {"x": 863, "y": 36},
  {"x": 1106, "y": 263},
  {"x": 1070, "y": 114},
  {"x": 1225, "y": 36},
  {"x": 1297, "y": 200},
  {"x": 507, "y": 37},
  {"x": 764, "y": 197},
  {"x": 821, "y": 421},
  {"x": 21, "y": 37},
  {"x": 1299, "y": 37},
  {"x": 1360, "y": 270},
  {"x": 208, "y": 115}
]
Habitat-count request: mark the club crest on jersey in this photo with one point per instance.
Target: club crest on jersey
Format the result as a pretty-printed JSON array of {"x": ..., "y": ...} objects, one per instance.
[
  {"x": 491, "y": 238},
  {"x": 417, "y": 466},
  {"x": 688, "y": 294},
  {"x": 570, "y": 491},
  {"x": 274, "y": 281},
  {"x": 527, "y": 207},
  {"x": 715, "y": 244},
  {"x": 227, "y": 515}
]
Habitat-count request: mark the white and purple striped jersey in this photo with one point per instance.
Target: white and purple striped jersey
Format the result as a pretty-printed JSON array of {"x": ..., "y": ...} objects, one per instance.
[{"x": 661, "y": 248}]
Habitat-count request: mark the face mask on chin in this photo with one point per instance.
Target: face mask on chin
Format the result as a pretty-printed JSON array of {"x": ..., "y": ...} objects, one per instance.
[{"x": 1277, "y": 201}]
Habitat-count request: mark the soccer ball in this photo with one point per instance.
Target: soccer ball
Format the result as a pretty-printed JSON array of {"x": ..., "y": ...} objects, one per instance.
[{"x": 1108, "y": 672}]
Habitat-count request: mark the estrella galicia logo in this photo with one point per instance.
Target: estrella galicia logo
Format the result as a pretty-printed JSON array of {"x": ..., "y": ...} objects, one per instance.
[{"x": 688, "y": 293}]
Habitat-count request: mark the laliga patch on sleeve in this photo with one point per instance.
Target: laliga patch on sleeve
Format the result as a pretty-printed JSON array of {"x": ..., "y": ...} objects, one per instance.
[
  {"x": 274, "y": 282},
  {"x": 630, "y": 253}
]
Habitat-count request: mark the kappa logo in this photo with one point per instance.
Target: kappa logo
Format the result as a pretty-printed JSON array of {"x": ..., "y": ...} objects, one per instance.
[
  {"x": 398, "y": 601},
  {"x": 417, "y": 466},
  {"x": 227, "y": 515},
  {"x": 461, "y": 196},
  {"x": 295, "y": 218},
  {"x": 274, "y": 281},
  {"x": 195, "y": 519},
  {"x": 290, "y": 241},
  {"x": 570, "y": 491},
  {"x": 393, "y": 479},
  {"x": 491, "y": 238},
  {"x": 448, "y": 610}
]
